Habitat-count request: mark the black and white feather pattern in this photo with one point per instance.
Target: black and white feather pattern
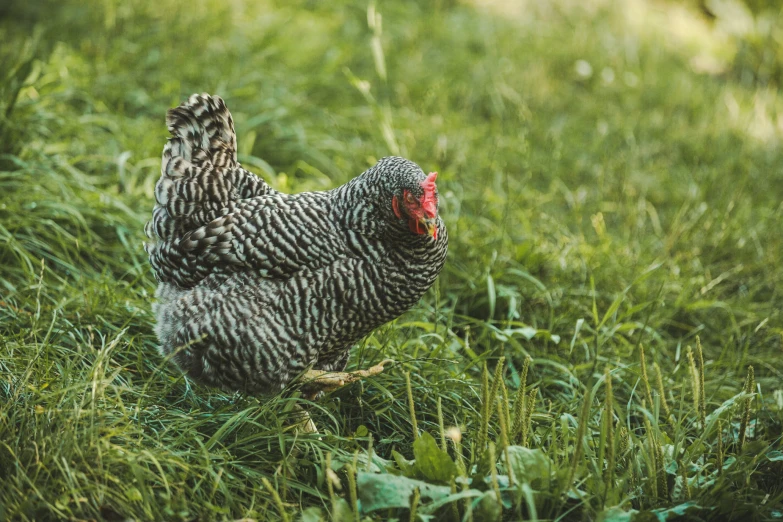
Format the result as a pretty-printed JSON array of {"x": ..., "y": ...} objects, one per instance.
[{"x": 256, "y": 285}]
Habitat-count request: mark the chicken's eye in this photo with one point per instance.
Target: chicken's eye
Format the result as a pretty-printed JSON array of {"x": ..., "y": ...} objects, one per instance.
[{"x": 410, "y": 198}]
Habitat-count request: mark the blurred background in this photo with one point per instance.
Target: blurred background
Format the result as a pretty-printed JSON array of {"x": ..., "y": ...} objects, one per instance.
[
  {"x": 611, "y": 174},
  {"x": 575, "y": 140},
  {"x": 557, "y": 127}
]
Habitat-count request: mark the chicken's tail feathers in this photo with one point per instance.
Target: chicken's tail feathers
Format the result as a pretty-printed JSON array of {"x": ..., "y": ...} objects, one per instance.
[
  {"x": 203, "y": 132},
  {"x": 200, "y": 179}
]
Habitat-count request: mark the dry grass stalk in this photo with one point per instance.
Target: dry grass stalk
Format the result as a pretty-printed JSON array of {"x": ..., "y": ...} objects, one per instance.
[
  {"x": 441, "y": 427},
  {"x": 686, "y": 488},
  {"x": 494, "y": 474},
  {"x": 528, "y": 421},
  {"x": 519, "y": 403},
  {"x": 645, "y": 380},
  {"x": 484, "y": 428},
  {"x": 414, "y": 505},
  {"x": 505, "y": 409},
  {"x": 694, "y": 374},
  {"x": 352, "y": 491},
  {"x": 580, "y": 433},
  {"x": 651, "y": 442},
  {"x": 750, "y": 385},
  {"x": 504, "y": 443},
  {"x": 662, "y": 393},
  {"x": 720, "y": 455},
  {"x": 609, "y": 416},
  {"x": 700, "y": 375},
  {"x": 411, "y": 406},
  {"x": 276, "y": 499},
  {"x": 497, "y": 378}
]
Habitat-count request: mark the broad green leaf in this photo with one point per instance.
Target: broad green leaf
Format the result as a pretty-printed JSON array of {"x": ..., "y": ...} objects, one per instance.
[
  {"x": 312, "y": 514},
  {"x": 487, "y": 508},
  {"x": 529, "y": 465},
  {"x": 432, "y": 462},
  {"x": 434, "y": 506},
  {"x": 680, "y": 510},
  {"x": 407, "y": 467},
  {"x": 775, "y": 456},
  {"x": 385, "y": 491},
  {"x": 342, "y": 512},
  {"x": 133, "y": 494},
  {"x": 713, "y": 417},
  {"x": 376, "y": 465}
]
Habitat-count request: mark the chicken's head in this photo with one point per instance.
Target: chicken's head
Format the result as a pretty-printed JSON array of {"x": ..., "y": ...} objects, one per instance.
[
  {"x": 418, "y": 206},
  {"x": 413, "y": 198},
  {"x": 392, "y": 197}
]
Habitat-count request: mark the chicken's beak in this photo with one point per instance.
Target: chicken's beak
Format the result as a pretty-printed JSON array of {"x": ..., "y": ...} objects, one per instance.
[{"x": 431, "y": 226}]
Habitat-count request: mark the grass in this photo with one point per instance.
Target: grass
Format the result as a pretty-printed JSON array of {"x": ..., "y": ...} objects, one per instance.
[{"x": 611, "y": 175}]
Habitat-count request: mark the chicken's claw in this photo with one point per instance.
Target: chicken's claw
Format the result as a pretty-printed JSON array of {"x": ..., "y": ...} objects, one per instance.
[
  {"x": 316, "y": 381},
  {"x": 301, "y": 421}
]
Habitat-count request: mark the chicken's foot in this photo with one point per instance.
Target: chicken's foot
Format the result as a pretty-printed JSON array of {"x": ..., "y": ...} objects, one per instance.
[
  {"x": 302, "y": 422},
  {"x": 316, "y": 381}
]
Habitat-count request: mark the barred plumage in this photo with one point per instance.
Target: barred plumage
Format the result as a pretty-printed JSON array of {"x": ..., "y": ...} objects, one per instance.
[{"x": 256, "y": 285}]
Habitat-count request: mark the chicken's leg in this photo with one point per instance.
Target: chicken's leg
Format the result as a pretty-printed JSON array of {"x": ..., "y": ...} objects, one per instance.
[{"x": 316, "y": 381}]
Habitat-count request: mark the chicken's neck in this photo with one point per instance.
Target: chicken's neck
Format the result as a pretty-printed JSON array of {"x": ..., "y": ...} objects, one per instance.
[
  {"x": 355, "y": 207},
  {"x": 369, "y": 226},
  {"x": 404, "y": 264}
]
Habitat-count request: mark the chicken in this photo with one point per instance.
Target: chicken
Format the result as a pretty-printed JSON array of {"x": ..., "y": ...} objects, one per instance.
[{"x": 256, "y": 287}]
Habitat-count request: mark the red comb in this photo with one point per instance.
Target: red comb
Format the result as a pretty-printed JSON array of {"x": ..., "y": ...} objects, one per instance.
[{"x": 428, "y": 201}]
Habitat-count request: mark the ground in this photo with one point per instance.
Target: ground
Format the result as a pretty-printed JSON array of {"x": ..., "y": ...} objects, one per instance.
[{"x": 611, "y": 174}]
